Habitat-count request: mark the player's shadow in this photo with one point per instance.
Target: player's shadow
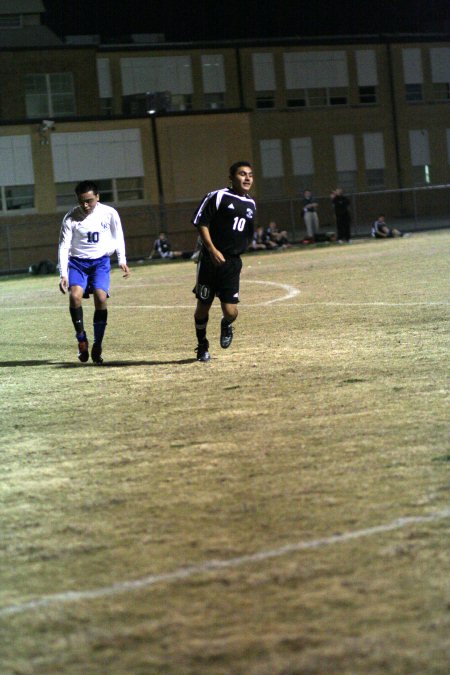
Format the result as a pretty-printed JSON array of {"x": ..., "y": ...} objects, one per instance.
[{"x": 108, "y": 364}]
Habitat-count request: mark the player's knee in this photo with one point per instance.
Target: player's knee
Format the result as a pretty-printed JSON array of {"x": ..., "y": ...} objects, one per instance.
[
  {"x": 230, "y": 312},
  {"x": 201, "y": 313},
  {"x": 100, "y": 298},
  {"x": 76, "y": 295}
]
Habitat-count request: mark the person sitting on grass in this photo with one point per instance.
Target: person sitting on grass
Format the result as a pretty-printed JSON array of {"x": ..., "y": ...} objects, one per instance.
[
  {"x": 280, "y": 238},
  {"x": 380, "y": 230},
  {"x": 261, "y": 240},
  {"x": 163, "y": 249}
]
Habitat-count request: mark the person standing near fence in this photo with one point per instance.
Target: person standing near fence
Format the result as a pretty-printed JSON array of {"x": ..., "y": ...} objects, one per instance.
[
  {"x": 225, "y": 222},
  {"x": 90, "y": 233},
  {"x": 343, "y": 217},
  {"x": 310, "y": 216}
]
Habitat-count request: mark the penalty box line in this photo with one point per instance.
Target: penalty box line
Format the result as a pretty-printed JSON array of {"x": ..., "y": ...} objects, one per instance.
[{"x": 215, "y": 565}]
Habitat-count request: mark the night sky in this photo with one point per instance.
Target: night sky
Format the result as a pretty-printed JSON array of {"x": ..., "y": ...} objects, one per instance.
[{"x": 227, "y": 19}]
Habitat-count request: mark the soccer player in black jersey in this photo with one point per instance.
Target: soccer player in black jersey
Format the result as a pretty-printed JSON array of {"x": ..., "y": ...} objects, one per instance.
[{"x": 225, "y": 222}]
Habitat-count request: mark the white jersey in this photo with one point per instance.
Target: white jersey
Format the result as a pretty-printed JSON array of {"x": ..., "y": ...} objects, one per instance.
[{"x": 90, "y": 236}]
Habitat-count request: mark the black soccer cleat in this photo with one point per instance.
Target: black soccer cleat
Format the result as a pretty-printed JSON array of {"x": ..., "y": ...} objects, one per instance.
[
  {"x": 83, "y": 350},
  {"x": 202, "y": 352},
  {"x": 96, "y": 354},
  {"x": 226, "y": 334}
]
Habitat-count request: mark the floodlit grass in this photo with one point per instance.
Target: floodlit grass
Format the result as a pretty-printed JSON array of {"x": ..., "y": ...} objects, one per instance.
[{"x": 326, "y": 417}]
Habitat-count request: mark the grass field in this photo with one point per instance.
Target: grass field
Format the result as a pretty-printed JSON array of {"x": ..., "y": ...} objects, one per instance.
[{"x": 280, "y": 510}]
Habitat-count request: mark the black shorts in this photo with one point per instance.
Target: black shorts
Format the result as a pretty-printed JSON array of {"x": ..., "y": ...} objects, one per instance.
[{"x": 221, "y": 280}]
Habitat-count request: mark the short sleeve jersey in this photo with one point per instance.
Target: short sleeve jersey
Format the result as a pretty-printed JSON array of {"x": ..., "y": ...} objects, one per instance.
[{"x": 230, "y": 218}]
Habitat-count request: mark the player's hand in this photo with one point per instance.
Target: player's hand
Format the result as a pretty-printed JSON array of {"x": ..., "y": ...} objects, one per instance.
[
  {"x": 126, "y": 271},
  {"x": 216, "y": 256},
  {"x": 63, "y": 285}
]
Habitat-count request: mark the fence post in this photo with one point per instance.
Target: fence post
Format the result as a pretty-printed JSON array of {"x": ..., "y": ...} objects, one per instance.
[
  {"x": 292, "y": 211},
  {"x": 355, "y": 213},
  {"x": 415, "y": 207},
  {"x": 8, "y": 246}
]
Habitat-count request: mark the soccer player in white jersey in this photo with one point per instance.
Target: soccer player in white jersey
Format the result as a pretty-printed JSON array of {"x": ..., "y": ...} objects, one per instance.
[
  {"x": 225, "y": 222},
  {"x": 90, "y": 233}
]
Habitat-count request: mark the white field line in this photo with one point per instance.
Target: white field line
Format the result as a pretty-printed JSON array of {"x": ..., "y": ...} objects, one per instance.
[
  {"x": 215, "y": 565},
  {"x": 245, "y": 304},
  {"x": 427, "y": 303},
  {"x": 289, "y": 293}
]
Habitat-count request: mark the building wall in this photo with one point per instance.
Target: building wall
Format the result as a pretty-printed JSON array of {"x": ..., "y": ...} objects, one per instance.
[
  {"x": 16, "y": 64},
  {"x": 197, "y": 145}
]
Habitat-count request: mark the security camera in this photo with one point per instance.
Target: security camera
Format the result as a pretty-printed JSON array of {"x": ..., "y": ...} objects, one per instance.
[{"x": 47, "y": 124}]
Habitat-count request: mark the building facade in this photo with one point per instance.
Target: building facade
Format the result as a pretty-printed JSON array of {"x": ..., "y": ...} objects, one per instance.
[{"x": 157, "y": 125}]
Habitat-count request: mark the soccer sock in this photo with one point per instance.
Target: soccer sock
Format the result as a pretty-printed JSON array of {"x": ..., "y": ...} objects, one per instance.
[
  {"x": 200, "y": 329},
  {"x": 226, "y": 322},
  {"x": 100, "y": 316},
  {"x": 76, "y": 314}
]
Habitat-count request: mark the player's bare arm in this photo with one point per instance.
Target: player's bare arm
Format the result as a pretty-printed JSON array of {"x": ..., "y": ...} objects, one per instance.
[
  {"x": 63, "y": 285},
  {"x": 126, "y": 270},
  {"x": 215, "y": 255}
]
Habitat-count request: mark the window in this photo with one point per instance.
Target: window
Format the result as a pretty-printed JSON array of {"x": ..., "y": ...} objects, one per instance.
[
  {"x": 421, "y": 176},
  {"x": 316, "y": 97},
  {"x": 181, "y": 102},
  {"x": 345, "y": 158},
  {"x": 296, "y": 98},
  {"x": 49, "y": 94},
  {"x": 272, "y": 167},
  {"x": 65, "y": 195},
  {"x": 367, "y": 75},
  {"x": 214, "y": 101},
  {"x": 128, "y": 189},
  {"x": 263, "y": 72},
  {"x": 367, "y": 95},
  {"x": 302, "y": 157},
  {"x": 448, "y": 147},
  {"x": 264, "y": 80},
  {"x": 440, "y": 73},
  {"x": 412, "y": 73},
  {"x": 347, "y": 180},
  {"x": 106, "y": 106},
  {"x": 316, "y": 78},
  {"x": 375, "y": 179},
  {"x": 16, "y": 173},
  {"x": 265, "y": 99},
  {"x": 171, "y": 75},
  {"x": 213, "y": 76},
  {"x": 15, "y": 197},
  {"x": 104, "y": 154},
  {"x": 413, "y": 92},
  {"x": 374, "y": 160},
  {"x": 420, "y": 156},
  {"x": 112, "y": 191},
  {"x": 337, "y": 96},
  {"x": 11, "y": 21},
  {"x": 302, "y": 163},
  {"x": 105, "y": 86},
  {"x": 441, "y": 91}
]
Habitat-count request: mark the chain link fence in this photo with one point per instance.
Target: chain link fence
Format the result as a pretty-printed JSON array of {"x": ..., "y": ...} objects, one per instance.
[{"x": 410, "y": 210}]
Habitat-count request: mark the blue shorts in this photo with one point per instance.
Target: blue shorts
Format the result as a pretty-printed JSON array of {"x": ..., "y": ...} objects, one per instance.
[{"x": 90, "y": 274}]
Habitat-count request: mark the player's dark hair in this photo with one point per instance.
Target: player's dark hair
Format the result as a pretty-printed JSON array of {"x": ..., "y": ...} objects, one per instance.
[
  {"x": 86, "y": 186},
  {"x": 237, "y": 165}
]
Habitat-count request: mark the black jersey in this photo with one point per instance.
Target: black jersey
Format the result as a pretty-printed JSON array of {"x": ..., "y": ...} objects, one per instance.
[{"x": 230, "y": 219}]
